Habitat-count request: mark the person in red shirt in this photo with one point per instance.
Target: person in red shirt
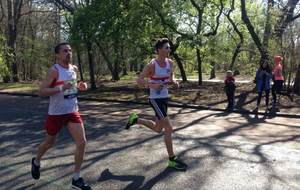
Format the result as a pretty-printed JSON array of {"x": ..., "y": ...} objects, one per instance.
[
  {"x": 229, "y": 89},
  {"x": 277, "y": 78}
]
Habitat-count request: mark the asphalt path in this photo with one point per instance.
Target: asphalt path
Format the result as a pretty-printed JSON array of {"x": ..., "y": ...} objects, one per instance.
[{"x": 223, "y": 151}]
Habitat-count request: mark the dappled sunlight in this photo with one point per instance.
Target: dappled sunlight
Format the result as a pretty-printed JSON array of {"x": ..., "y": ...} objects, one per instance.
[{"x": 214, "y": 145}]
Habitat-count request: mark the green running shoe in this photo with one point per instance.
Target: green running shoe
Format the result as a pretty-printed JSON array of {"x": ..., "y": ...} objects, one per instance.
[
  {"x": 177, "y": 164},
  {"x": 133, "y": 117}
]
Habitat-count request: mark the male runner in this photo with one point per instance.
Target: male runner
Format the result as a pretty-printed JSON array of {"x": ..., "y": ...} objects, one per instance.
[
  {"x": 61, "y": 85},
  {"x": 160, "y": 73}
]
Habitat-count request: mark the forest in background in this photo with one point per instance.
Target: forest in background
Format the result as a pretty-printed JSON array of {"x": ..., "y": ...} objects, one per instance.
[{"x": 114, "y": 38}]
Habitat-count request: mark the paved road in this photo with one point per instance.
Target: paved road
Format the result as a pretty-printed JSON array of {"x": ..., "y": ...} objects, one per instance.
[{"x": 223, "y": 151}]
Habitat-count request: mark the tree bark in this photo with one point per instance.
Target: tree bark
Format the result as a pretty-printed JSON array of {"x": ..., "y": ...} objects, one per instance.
[
  {"x": 32, "y": 65},
  {"x": 1, "y": 12},
  {"x": 213, "y": 70},
  {"x": 268, "y": 26},
  {"x": 177, "y": 59},
  {"x": 13, "y": 14},
  {"x": 106, "y": 58},
  {"x": 116, "y": 68},
  {"x": 199, "y": 64},
  {"x": 80, "y": 65},
  {"x": 91, "y": 64},
  {"x": 64, "y": 5},
  {"x": 240, "y": 34},
  {"x": 287, "y": 16},
  {"x": 180, "y": 66},
  {"x": 263, "y": 52},
  {"x": 124, "y": 68},
  {"x": 200, "y": 10},
  {"x": 296, "y": 87}
]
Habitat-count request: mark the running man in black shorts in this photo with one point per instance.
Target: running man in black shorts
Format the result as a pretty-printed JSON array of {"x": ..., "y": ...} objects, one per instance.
[{"x": 159, "y": 73}]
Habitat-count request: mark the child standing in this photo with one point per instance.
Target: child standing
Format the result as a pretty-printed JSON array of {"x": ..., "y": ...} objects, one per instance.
[{"x": 230, "y": 89}]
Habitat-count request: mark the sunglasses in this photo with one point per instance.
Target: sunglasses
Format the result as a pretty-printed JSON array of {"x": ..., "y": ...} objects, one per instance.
[{"x": 67, "y": 51}]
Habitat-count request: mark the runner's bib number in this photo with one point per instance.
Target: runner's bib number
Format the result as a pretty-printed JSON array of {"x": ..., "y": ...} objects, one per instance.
[{"x": 73, "y": 91}]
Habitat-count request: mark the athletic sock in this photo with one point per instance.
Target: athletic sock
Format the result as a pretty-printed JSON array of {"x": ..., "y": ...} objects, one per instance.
[
  {"x": 76, "y": 176},
  {"x": 36, "y": 162},
  {"x": 172, "y": 158}
]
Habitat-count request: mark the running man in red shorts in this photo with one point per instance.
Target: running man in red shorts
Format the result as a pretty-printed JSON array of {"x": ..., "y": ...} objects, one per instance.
[{"x": 62, "y": 87}]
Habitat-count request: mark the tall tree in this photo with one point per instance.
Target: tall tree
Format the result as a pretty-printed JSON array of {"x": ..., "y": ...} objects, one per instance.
[
  {"x": 13, "y": 16},
  {"x": 286, "y": 17},
  {"x": 240, "y": 34},
  {"x": 197, "y": 37},
  {"x": 262, "y": 47}
]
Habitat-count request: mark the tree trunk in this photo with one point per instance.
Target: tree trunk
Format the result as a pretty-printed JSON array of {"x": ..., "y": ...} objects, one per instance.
[
  {"x": 177, "y": 58},
  {"x": 199, "y": 64},
  {"x": 124, "y": 68},
  {"x": 32, "y": 66},
  {"x": 235, "y": 55},
  {"x": 106, "y": 58},
  {"x": 213, "y": 70},
  {"x": 287, "y": 16},
  {"x": 116, "y": 69},
  {"x": 292, "y": 60},
  {"x": 263, "y": 52},
  {"x": 115, "y": 74},
  {"x": 240, "y": 34},
  {"x": 13, "y": 14},
  {"x": 91, "y": 64},
  {"x": 80, "y": 66},
  {"x": 180, "y": 66},
  {"x": 11, "y": 37},
  {"x": 268, "y": 26},
  {"x": 297, "y": 81}
]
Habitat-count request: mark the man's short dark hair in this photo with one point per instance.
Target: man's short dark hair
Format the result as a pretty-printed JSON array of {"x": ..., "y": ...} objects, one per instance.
[
  {"x": 58, "y": 46},
  {"x": 160, "y": 43}
]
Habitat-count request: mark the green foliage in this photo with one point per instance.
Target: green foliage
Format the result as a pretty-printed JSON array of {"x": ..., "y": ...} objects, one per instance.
[
  {"x": 123, "y": 33},
  {"x": 4, "y": 71}
]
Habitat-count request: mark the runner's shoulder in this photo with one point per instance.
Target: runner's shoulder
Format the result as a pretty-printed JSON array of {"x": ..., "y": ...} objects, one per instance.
[
  {"x": 151, "y": 64},
  {"x": 53, "y": 72},
  {"x": 75, "y": 68},
  {"x": 170, "y": 61}
]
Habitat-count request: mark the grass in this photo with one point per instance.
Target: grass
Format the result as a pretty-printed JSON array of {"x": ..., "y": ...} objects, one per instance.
[
  {"x": 210, "y": 94},
  {"x": 19, "y": 87}
]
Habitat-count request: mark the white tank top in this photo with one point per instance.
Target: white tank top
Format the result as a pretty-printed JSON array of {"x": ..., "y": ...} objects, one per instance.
[
  {"x": 64, "y": 102},
  {"x": 161, "y": 76}
]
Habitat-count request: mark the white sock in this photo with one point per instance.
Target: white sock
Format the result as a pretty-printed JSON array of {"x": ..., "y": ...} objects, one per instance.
[
  {"x": 36, "y": 162},
  {"x": 76, "y": 176}
]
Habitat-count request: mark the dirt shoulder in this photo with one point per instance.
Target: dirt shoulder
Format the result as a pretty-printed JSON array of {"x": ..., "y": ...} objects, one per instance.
[{"x": 209, "y": 94}]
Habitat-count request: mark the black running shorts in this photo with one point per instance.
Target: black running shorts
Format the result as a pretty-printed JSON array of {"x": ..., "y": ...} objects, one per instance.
[{"x": 160, "y": 107}]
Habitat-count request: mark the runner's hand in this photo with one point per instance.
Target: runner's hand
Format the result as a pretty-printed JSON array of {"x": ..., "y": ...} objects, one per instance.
[
  {"x": 67, "y": 86},
  {"x": 155, "y": 86},
  {"x": 82, "y": 86},
  {"x": 176, "y": 83}
]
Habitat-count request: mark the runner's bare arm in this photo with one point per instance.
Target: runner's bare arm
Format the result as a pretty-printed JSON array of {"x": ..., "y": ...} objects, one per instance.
[
  {"x": 145, "y": 74},
  {"x": 45, "y": 88}
]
